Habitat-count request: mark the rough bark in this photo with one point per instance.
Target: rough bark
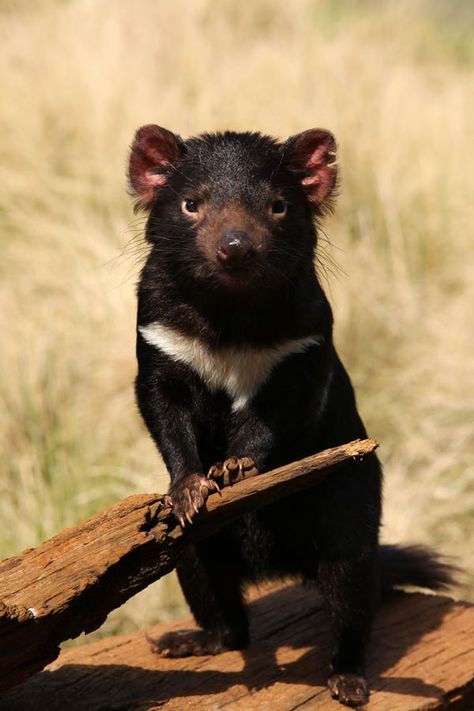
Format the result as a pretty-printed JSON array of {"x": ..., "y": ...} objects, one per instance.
[{"x": 70, "y": 583}]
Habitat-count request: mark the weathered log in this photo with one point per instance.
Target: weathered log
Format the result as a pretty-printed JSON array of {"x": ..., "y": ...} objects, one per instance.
[
  {"x": 420, "y": 658},
  {"x": 70, "y": 583}
]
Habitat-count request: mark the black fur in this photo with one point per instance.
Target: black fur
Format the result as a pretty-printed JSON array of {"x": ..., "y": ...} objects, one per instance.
[
  {"x": 328, "y": 535},
  {"x": 414, "y": 565}
]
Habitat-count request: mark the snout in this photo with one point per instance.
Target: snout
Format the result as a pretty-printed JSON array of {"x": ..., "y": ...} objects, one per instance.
[{"x": 235, "y": 250}]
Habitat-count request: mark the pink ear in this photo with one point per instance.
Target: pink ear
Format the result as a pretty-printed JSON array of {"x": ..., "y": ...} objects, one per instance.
[
  {"x": 154, "y": 149},
  {"x": 313, "y": 153}
]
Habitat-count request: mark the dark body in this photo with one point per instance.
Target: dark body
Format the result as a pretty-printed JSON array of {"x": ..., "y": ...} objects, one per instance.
[{"x": 253, "y": 302}]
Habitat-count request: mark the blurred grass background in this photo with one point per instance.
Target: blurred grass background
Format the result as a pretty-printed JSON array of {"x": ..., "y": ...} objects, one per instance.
[{"x": 392, "y": 80}]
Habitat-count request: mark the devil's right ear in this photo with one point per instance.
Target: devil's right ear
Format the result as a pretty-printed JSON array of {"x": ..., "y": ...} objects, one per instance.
[
  {"x": 154, "y": 150},
  {"x": 312, "y": 156}
]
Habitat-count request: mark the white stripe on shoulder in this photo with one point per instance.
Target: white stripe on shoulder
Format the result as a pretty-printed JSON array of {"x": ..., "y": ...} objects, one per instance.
[{"x": 239, "y": 371}]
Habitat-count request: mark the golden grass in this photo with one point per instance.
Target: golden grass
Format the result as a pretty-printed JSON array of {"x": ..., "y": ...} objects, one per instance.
[{"x": 394, "y": 83}]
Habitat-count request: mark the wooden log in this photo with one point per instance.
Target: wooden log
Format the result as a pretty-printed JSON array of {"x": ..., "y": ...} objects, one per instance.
[
  {"x": 420, "y": 657},
  {"x": 70, "y": 583}
]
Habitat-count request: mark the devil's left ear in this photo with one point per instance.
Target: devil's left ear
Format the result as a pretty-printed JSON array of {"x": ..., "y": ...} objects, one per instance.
[{"x": 312, "y": 156}]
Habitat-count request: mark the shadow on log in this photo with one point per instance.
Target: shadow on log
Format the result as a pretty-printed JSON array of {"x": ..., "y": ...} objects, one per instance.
[{"x": 69, "y": 584}]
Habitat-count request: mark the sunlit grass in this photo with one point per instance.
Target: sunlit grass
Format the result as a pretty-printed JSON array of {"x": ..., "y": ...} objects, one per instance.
[{"x": 394, "y": 83}]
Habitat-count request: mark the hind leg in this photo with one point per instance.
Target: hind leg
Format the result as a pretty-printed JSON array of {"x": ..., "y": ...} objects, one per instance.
[
  {"x": 346, "y": 538},
  {"x": 350, "y": 591},
  {"x": 210, "y": 576}
]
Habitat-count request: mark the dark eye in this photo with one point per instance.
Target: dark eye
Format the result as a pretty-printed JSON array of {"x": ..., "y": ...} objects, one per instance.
[
  {"x": 278, "y": 207},
  {"x": 190, "y": 206}
]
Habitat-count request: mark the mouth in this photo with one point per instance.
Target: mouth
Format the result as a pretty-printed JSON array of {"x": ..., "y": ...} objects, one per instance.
[{"x": 237, "y": 276}]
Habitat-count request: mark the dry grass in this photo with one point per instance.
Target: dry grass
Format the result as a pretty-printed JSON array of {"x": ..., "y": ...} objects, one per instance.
[{"x": 392, "y": 80}]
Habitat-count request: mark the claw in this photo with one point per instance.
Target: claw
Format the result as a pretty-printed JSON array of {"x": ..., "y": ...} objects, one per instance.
[
  {"x": 231, "y": 470},
  {"x": 188, "y": 517}
]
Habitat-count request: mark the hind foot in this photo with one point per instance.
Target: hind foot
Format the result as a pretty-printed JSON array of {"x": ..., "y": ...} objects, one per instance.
[
  {"x": 349, "y": 689},
  {"x": 196, "y": 643}
]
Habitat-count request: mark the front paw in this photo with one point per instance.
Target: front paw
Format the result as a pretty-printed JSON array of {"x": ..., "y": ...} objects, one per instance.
[
  {"x": 188, "y": 496},
  {"x": 232, "y": 470},
  {"x": 349, "y": 689}
]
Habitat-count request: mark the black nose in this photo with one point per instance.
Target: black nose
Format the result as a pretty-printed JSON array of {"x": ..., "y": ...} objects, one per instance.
[{"x": 235, "y": 248}]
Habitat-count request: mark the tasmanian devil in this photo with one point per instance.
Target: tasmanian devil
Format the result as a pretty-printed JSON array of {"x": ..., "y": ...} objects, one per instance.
[{"x": 236, "y": 365}]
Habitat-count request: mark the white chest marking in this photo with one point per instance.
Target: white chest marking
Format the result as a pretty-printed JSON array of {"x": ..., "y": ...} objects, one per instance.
[{"x": 240, "y": 371}]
